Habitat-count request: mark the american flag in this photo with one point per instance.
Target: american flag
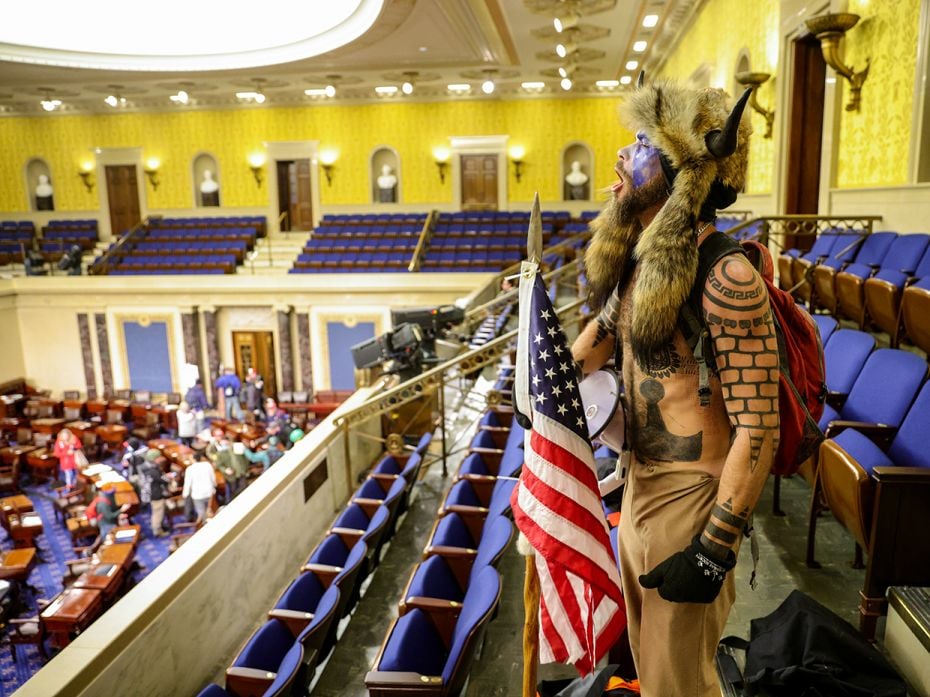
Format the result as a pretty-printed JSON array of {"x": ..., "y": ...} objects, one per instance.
[{"x": 556, "y": 503}]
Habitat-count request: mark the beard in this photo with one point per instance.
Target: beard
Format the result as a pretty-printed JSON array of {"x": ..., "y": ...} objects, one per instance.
[{"x": 616, "y": 231}]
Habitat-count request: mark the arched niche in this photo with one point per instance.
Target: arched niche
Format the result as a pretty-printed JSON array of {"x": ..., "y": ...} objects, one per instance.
[
  {"x": 41, "y": 196},
  {"x": 381, "y": 192},
  {"x": 700, "y": 78},
  {"x": 577, "y": 183},
  {"x": 206, "y": 178}
]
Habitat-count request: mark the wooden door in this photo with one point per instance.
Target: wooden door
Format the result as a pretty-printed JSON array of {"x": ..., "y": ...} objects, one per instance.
[
  {"x": 123, "y": 198},
  {"x": 805, "y": 131},
  {"x": 295, "y": 195},
  {"x": 479, "y": 182},
  {"x": 256, "y": 350}
]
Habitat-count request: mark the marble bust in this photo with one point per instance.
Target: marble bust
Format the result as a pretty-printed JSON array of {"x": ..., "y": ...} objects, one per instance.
[
  {"x": 387, "y": 185},
  {"x": 44, "y": 200},
  {"x": 209, "y": 190},
  {"x": 577, "y": 182}
]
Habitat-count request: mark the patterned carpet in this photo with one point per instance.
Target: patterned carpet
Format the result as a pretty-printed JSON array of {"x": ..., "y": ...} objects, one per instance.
[{"x": 54, "y": 547}]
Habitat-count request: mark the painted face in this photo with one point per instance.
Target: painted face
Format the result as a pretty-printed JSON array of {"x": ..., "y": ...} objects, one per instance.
[{"x": 638, "y": 163}]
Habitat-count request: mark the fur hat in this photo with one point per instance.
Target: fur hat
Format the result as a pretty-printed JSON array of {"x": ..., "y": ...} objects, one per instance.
[{"x": 707, "y": 145}]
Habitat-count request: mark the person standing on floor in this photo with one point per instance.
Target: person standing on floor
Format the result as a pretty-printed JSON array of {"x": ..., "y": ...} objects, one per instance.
[
  {"x": 200, "y": 485},
  {"x": 67, "y": 447},
  {"x": 230, "y": 386},
  {"x": 154, "y": 487}
]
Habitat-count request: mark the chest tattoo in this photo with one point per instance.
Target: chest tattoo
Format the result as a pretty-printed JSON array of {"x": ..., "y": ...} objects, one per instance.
[{"x": 653, "y": 439}]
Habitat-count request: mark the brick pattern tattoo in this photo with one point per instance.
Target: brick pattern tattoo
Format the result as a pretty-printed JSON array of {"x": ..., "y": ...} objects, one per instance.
[{"x": 737, "y": 315}]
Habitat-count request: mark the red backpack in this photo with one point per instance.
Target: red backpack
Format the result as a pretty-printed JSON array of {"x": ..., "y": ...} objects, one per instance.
[
  {"x": 801, "y": 386},
  {"x": 91, "y": 511}
]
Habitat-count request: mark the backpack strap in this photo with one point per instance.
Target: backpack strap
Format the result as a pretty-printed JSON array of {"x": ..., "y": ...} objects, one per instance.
[{"x": 715, "y": 247}]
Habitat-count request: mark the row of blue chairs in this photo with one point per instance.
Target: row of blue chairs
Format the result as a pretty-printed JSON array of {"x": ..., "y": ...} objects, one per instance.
[
  {"x": 360, "y": 244},
  {"x": 443, "y": 258},
  {"x": 281, "y": 656},
  {"x": 491, "y": 327},
  {"x": 876, "y": 398},
  {"x": 480, "y": 228},
  {"x": 348, "y": 269},
  {"x": 387, "y": 230},
  {"x": 234, "y": 221},
  {"x": 163, "y": 233},
  {"x": 479, "y": 242},
  {"x": 453, "y": 594},
  {"x": 118, "y": 271},
  {"x": 320, "y": 259},
  {"x": 371, "y": 218},
  {"x": 190, "y": 246}
]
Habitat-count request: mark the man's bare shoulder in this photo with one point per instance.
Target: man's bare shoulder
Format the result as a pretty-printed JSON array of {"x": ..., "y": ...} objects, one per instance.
[{"x": 734, "y": 293}]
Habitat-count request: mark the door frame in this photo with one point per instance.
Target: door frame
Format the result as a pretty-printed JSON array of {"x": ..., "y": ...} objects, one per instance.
[
  {"x": 792, "y": 14},
  {"x": 291, "y": 150},
  {"x": 104, "y": 157},
  {"x": 273, "y": 356},
  {"x": 480, "y": 145}
]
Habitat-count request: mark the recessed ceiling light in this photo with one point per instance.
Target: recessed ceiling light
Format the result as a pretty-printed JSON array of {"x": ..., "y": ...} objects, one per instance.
[
  {"x": 386, "y": 89},
  {"x": 626, "y": 80},
  {"x": 650, "y": 21},
  {"x": 180, "y": 98},
  {"x": 567, "y": 21},
  {"x": 533, "y": 85},
  {"x": 459, "y": 87},
  {"x": 115, "y": 101},
  {"x": 607, "y": 84},
  {"x": 487, "y": 86},
  {"x": 423, "y": 49},
  {"x": 639, "y": 46},
  {"x": 632, "y": 65},
  {"x": 328, "y": 91},
  {"x": 256, "y": 97},
  {"x": 566, "y": 48},
  {"x": 566, "y": 83},
  {"x": 50, "y": 104},
  {"x": 407, "y": 88}
]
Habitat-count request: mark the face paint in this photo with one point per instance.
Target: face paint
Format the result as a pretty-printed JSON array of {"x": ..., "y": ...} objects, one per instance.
[{"x": 644, "y": 163}]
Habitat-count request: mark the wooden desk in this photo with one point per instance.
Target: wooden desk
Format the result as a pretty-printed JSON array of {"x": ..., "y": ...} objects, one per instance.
[
  {"x": 50, "y": 426},
  {"x": 20, "y": 502},
  {"x": 12, "y": 405},
  {"x": 18, "y": 564},
  {"x": 161, "y": 444},
  {"x": 96, "y": 406},
  {"x": 105, "y": 578},
  {"x": 120, "y": 405},
  {"x": 79, "y": 404},
  {"x": 125, "y": 493},
  {"x": 9, "y": 425},
  {"x": 16, "y": 454},
  {"x": 24, "y": 528},
  {"x": 127, "y": 535},
  {"x": 121, "y": 555},
  {"x": 112, "y": 434},
  {"x": 79, "y": 428},
  {"x": 168, "y": 415},
  {"x": 71, "y": 612}
]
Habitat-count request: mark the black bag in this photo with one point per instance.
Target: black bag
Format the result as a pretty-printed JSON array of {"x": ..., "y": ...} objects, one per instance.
[{"x": 805, "y": 650}]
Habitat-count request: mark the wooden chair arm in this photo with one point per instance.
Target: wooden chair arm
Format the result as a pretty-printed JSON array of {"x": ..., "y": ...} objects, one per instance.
[
  {"x": 349, "y": 536},
  {"x": 447, "y": 551},
  {"x": 442, "y": 613},
  {"x": 486, "y": 452},
  {"x": 368, "y": 505},
  {"x": 880, "y": 434},
  {"x": 248, "y": 681},
  {"x": 324, "y": 572},
  {"x": 836, "y": 399},
  {"x": 295, "y": 620},
  {"x": 410, "y": 682}
]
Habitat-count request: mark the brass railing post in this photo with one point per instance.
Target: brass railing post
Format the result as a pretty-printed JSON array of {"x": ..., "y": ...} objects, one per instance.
[
  {"x": 442, "y": 422},
  {"x": 348, "y": 461}
]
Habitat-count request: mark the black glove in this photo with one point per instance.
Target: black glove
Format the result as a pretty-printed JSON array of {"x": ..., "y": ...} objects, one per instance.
[{"x": 689, "y": 576}]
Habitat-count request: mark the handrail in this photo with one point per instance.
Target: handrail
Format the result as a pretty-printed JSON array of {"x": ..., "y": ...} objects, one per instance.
[
  {"x": 284, "y": 216},
  {"x": 493, "y": 285},
  {"x": 418, "y": 386},
  {"x": 803, "y": 225},
  {"x": 477, "y": 314},
  {"x": 101, "y": 266},
  {"x": 426, "y": 235}
]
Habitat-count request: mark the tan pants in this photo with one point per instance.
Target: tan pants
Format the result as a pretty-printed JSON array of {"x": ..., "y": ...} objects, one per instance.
[
  {"x": 673, "y": 644},
  {"x": 158, "y": 515}
]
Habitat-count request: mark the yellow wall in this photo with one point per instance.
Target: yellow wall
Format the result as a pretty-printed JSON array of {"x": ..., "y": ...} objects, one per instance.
[
  {"x": 11, "y": 349},
  {"x": 874, "y": 142},
  {"x": 542, "y": 126},
  {"x": 720, "y": 31}
]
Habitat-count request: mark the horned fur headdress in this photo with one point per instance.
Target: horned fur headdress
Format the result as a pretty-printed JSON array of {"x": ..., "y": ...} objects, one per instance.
[{"x": 706, "y": 146}]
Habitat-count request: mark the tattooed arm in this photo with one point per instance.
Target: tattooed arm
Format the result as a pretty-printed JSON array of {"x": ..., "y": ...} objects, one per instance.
[
  {"x": 595, "y": 345},
  {"x": 737, "y": 314}
]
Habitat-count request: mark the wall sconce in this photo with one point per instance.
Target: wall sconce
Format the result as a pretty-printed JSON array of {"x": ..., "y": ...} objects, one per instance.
[
  {"x": 829, "y": 29},
  {"x": 86, "y": 173},
  {"x": 441, "y": 156},
  {"x": 754, "y": 80},
  {"x": 151, "y": 172},
  {"x": 516, "y": 157},
  {"x": 328, "y": 163},
  {"x": 256, "y": 162}
]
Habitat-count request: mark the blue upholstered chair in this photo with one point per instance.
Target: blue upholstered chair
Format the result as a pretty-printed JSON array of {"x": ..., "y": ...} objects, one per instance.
[
  {"x": 826, "y": 325},
  {"x": 448, "y": 572},
  {"x": 903, "y": 255},
  {"x": 391, "y": 467},
  {"x": 877, "y": 403},
  {"x": 474, "y": 503},
  {"x": 883, "y": 296},
  {"x": 430, "y": 649},
  {"x": 870, "y": 251},
  {"x": 268, "y": 664},
  {"x": 843, "y": 359},
  {"x": 308, "y": 609},
  {"x": 788, "y": 277},
  {"x": 848, "y": 460}
]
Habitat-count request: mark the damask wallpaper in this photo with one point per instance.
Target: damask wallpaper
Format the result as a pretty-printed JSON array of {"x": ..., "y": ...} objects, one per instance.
[
  {"x": 874, "y": 142},
  {"x": 542, "y": 126},
  {"x": 712, "y": 47}
]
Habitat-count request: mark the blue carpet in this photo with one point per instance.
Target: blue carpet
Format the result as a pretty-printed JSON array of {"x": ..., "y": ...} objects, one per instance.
[{"x": 55, "y": 546}]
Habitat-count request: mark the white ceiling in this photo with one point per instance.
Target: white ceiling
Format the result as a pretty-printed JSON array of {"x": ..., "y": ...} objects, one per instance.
[{"x": 439, "y": 41}]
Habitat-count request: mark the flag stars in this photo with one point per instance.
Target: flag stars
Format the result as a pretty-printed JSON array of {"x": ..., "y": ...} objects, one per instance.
[
  {"x": 550, "y": 373},
  {"x": 536, "y": 380},
  {"x": 581, "y": 423},
  {"x": 552, "y": 331},
  {"x": 538, "y": 338},
  {"x": 544, "y": 355},
  {"x": 575, "y": 403},
  {"x": 570, "y": 386},
  {"x": 545, "y": 314},
  {"x": 562, "y": 409},
  {"x": 541, "y": 398},
  {"x": 564, "y": 367},
  {"x": 558, "y": 349},
  {"x": 557, "y": 391}
]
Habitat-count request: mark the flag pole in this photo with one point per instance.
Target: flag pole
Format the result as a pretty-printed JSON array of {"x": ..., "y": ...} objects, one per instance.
[{"x": 534, "y": 248}]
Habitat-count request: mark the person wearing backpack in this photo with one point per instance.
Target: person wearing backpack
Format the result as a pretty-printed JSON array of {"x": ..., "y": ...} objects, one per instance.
[{"x": 700, "y": 457}]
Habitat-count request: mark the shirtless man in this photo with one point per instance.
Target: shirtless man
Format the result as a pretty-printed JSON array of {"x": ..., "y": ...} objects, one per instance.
[{"x": 697, "y": 471}]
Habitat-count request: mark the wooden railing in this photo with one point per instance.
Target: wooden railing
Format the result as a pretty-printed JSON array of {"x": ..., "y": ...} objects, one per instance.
[
  {"x": 426, "y": 235},
  {"x": 102, "y": 265},
  {"x": 779, "y": 230}
]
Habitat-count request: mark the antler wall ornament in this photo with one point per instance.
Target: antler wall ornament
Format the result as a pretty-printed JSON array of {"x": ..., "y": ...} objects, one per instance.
[
  {"x": 754, "y": 80},
  {"x": 829, "y": 29}
]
